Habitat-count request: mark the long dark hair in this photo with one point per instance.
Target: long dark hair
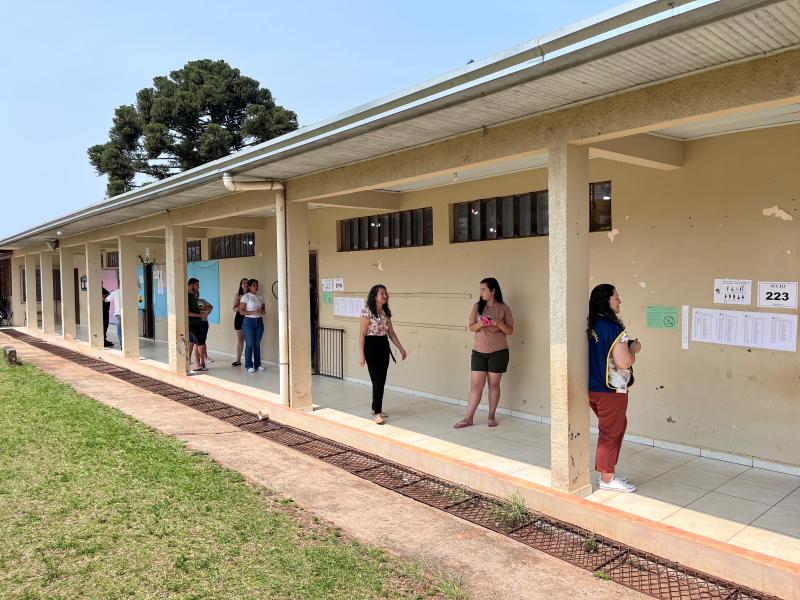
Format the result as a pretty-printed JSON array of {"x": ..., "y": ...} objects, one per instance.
[
  {"x": 373, "y": 304},
  {"x": 241, "y": 289},
  {"x": 599, "y": 307},
  {"x": 491, "y": 283}
]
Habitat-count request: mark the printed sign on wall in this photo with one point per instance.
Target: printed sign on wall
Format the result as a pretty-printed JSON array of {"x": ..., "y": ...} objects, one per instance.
[
  {"x": 662, "y": 317},
  {"x": 777, "y": 294},
  {"x": 733, "y": 291},
  {"x": 769, "y": 331}
]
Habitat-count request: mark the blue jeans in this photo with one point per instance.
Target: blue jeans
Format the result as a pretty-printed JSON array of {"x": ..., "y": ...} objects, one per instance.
[{"x": 253, "y": 329}]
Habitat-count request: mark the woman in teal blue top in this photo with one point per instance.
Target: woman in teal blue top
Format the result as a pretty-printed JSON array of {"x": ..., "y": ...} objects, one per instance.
[{"x": 611, "y": 356}]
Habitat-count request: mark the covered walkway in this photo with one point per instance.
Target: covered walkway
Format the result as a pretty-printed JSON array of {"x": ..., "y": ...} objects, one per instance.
[{"x": 745, "y": 506}]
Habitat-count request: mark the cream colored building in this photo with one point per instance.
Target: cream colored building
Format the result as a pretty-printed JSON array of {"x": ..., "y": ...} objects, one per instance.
[{"x": 689, "y": 114}]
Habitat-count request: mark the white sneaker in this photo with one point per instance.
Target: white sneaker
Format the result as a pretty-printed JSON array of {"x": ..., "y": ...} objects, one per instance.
[
  {"x": 251, "y": 370},
  {"x": 617, "y": 485},
  {"x": 621, "y": 477},
  {"x": 260, "y": 369}
]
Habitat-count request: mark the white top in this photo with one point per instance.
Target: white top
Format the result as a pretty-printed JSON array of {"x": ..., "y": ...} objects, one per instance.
[
  {"x": 201, "y": 303},
  {"x": 252, "y": 302},
  {"x": 116, "y": 305}
]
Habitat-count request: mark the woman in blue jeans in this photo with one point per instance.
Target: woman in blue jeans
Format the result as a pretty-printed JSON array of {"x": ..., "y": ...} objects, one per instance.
[{"x": 251, "y": 307}]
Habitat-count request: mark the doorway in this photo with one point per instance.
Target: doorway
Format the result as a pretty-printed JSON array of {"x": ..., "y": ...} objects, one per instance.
[
  {"x": 314, "y": 304},
  {"x": 147, "y": 320},
  {"x": 76, "y": 285}
]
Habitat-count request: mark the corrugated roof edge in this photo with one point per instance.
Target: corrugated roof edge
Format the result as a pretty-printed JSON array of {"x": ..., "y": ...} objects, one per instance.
[{"x": 621, "y": 17}]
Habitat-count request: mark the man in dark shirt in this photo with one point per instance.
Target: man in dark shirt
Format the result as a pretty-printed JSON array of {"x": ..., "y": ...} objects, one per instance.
[{"x": 197, "y": 330}]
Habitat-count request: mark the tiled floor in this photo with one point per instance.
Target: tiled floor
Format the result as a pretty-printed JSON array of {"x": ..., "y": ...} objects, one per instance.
[{"x": 750, "y": 507}]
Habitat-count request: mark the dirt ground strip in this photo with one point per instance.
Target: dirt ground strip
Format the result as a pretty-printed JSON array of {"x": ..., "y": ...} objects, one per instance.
[{"x": 493, "y": 567}]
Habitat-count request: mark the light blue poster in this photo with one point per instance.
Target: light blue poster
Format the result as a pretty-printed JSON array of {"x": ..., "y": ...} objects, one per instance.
[
  {"x": 140, "y": 285},
  {"x": 160, "y": 291},
  {"x": 207, "y": 271}
]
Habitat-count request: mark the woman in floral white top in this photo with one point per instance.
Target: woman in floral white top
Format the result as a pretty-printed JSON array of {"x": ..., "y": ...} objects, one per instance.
[{"x": 376, "y": 330}]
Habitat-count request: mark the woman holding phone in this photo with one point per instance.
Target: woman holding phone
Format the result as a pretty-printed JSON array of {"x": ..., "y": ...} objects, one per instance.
[
  {"x": 492, "y": 322},
  {"x": 611, "y": 356}
]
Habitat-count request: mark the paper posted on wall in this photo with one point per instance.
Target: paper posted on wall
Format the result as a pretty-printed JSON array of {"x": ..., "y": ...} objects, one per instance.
[
  {"x": 733, "y": 291},
  {"x": 346, "y": 306},
  {"x": 745, "y": 329}
]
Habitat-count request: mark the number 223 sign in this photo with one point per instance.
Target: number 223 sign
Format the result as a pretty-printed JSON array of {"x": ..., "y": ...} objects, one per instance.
[{"x": 777, "y": 294}]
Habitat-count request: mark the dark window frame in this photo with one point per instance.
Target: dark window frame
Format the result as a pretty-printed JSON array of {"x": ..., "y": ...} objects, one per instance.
[
  {"x": 5, "y": 278},
  {"x": 194, "y": 251},
  {"x": 595, "y": 214},
  {"x": 111, "y": 259},
  {"x": 238, "y": 245},
  {"x": 486, "y": 219},
  {"x": 385, "y": 231},
  {"x": 497, "y": 218}
]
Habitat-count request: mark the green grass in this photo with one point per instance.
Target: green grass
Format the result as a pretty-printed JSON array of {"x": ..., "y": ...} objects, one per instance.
[
  {"x": 96, "y": 505},
  {"x": 512, "y": 512}
]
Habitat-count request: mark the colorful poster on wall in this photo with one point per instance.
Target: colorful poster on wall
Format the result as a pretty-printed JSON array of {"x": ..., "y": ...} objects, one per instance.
[
  {"x": 327, "y": 297},
  {"x": 662, "y": 317},
  {"x": 207, "y": 271}
]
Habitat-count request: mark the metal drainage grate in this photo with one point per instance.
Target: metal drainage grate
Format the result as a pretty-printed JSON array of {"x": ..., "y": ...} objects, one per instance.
[{"x": 638, "y": 570}]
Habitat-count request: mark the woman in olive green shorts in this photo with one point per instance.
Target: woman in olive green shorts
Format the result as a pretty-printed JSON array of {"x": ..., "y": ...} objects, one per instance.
[{"x": 491, "y": 321}]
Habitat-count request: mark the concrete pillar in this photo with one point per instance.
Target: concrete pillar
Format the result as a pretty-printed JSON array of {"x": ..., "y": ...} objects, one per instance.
[
  {"x": 17, "y": 262},
  {"x": 94, "y": 295},
  {"x": 48, "y": 296},
  {"x": 299, "y": 306},
  {"x": 128, "y": 297},
  {"x": 67, "y": 258},
  {"x": 177, "y": 299},
  {"x": 283, "y": 296},
  {"x": 568, "y": 177},
  {"x": 31, "y": 306}
]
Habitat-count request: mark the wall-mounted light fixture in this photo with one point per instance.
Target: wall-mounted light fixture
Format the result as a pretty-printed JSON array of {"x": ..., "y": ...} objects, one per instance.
[{"x": 83, "y": 283}]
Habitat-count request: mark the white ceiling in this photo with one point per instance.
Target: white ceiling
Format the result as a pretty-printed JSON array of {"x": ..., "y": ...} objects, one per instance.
[
  {"x": 767, "y": 117},
  {"x": 759, "y": 119}
]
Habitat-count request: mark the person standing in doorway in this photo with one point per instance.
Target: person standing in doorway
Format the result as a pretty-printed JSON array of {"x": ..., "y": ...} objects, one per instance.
[
  {"x": 251, "y": 307},
  {"x": 197, "y": 331},
  {"x": 492, "y": 322},
  {"x": 106, "y": 318},
  {"x": 611, "y": 356},
  {"x": 238, "y": 320},
  {"x": 116, "y": 310},
  {"x": 376, "y": 331}
]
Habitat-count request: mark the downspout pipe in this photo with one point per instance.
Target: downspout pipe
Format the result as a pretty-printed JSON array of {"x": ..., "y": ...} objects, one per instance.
[
  {"x": 248, "y": 186},
  {"x": 283, "y": 273}
]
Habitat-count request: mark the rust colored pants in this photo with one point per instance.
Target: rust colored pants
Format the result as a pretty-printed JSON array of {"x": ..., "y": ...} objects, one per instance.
[{"x": 610, "y": 409}]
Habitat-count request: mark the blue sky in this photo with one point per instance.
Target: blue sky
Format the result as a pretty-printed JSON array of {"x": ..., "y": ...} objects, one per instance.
[{"x": 69, "y": 65}]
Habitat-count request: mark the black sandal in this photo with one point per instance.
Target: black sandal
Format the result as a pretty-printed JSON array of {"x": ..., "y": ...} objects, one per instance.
[{"x": 236, "y": 364}]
